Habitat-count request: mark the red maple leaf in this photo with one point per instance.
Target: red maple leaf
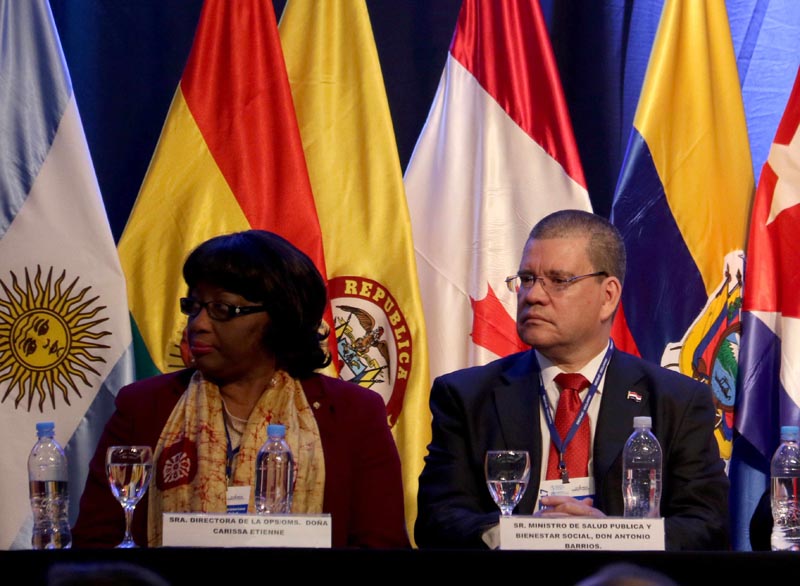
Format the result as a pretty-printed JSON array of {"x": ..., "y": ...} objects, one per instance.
[{"x": 493, "y": 328}]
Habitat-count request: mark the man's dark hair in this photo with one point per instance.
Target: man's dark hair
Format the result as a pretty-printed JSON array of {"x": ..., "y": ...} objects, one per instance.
[{"x": 606, "y": 249}]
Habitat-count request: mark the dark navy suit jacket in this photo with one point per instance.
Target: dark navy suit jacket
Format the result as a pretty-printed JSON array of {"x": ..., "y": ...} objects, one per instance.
[{"x": 496, "y": 406}]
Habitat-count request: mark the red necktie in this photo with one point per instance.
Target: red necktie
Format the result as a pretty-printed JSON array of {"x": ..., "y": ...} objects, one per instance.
[{"x": 576, "y": 457}]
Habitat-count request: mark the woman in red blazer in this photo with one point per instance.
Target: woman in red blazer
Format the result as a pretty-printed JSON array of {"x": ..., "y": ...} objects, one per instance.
[{"x": 254, "y": 307}]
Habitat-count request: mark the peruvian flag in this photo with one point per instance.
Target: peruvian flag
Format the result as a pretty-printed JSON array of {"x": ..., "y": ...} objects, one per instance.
[
  {"x": 769, "y": 361},
  {"x": 496, "y": 154}
]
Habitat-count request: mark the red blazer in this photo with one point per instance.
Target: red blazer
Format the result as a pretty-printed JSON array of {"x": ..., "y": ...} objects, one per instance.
[{"x": 363, "y": 482}]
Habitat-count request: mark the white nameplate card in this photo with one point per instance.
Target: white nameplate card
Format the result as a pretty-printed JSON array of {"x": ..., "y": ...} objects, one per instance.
[
  {"x": 221, "y": 530},
  {"x": 581, "y": 533}
]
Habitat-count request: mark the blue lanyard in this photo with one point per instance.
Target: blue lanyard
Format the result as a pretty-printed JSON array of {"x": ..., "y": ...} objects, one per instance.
[
  {"x": 561, "y": 445},
  {"x": 230, "y": 454}
]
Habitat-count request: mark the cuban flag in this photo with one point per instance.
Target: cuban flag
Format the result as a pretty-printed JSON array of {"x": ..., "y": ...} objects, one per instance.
[
  {"x": 65, "y": 334},
  {"x": 769, "y": 361}
]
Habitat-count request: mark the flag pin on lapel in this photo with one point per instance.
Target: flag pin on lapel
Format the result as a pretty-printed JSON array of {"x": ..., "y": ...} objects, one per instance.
[{"x": 634, "y": 396}]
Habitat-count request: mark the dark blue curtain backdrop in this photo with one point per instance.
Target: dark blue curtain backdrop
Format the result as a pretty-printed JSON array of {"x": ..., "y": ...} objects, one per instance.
[{"x": 126, "y": 58}]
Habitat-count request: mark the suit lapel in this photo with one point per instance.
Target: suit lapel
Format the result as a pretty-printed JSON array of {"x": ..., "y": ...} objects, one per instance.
[
  {"x": 625, "y": 396},
  {"x": 516, "y": 398},
  {"x": 320, "y": 403}
]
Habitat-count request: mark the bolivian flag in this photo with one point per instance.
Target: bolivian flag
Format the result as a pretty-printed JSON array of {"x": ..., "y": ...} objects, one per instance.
[{"x": 229, "y": 158}]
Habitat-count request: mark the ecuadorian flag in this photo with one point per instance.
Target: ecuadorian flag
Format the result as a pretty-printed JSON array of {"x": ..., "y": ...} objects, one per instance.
[{"x": 682, "y": 204}]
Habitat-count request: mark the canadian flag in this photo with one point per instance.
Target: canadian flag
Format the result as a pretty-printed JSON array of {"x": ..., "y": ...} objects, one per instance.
[{"x": 496, "y": 154}]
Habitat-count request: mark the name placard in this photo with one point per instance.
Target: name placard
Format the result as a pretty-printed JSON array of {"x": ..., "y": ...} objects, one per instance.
[
  {"x": 222, "y": 530},
  {"x": 581, "y": 533}
]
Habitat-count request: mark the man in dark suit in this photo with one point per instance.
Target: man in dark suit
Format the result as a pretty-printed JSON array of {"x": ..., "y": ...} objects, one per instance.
[{"x": 568, "y": 288}]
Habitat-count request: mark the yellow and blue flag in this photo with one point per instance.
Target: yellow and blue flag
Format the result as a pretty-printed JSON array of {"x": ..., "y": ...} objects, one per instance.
[{"x": 682, "y": 204}]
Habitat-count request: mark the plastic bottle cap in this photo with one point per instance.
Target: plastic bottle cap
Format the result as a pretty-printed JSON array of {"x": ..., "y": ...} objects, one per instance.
[
  {"x": 45, "y": 428},
  {"x": 643, "y": 421},
  {"x": 790, "y": 432},
  {"x": 276, "y": 429}
]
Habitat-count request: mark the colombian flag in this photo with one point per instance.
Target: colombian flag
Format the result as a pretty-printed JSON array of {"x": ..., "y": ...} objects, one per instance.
[
  {"x": 229, "y": 158},
  {"x": 351, "y": 152},
  {"x": 682, "y": 203}
]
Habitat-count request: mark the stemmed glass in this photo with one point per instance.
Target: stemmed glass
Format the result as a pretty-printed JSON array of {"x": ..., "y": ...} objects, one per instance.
[
  {"x": 129, "y": 469},
  {"x": 507, "y": 474}
]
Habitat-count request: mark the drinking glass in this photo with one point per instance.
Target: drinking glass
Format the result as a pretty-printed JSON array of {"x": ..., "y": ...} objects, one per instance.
[
  {"x": 129, "y": 469},
  {"x": 507, "y": 474}
]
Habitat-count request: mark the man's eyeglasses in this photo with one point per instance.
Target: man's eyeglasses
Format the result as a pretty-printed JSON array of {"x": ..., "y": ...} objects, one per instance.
[
  {"x": 551, "y": 285},
  {"x": 216, "y": 309}
]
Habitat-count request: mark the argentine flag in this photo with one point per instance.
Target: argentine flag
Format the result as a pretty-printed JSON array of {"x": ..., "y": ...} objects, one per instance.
[{"x": 64, "y": 326}]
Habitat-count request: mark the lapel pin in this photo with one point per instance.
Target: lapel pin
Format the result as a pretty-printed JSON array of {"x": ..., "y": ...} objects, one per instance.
[
  {"x": 316, "y": 404},
  {"x": 634, "y": 396}
]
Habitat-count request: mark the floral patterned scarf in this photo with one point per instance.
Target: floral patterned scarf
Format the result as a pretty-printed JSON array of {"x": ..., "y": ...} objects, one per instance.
[{"x": 192, "y": 452}]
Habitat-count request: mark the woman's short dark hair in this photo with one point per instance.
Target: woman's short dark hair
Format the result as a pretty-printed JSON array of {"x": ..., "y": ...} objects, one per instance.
[{"x": 267, "y": 269}]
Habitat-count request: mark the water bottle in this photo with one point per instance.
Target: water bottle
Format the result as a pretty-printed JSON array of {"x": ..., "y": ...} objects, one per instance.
[
  {"x": 47, "y": 481},
  {"x": 274, "y": 473},
  {"x": 641, "y": 471},
  {"x": 785, "y": 474}
]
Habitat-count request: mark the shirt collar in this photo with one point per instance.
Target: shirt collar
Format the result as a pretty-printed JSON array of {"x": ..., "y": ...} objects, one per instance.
[{"x": 550, "y": 371}]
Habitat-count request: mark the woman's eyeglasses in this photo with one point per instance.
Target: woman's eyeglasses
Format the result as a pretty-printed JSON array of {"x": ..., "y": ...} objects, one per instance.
[{"x": 217, "y": 310}]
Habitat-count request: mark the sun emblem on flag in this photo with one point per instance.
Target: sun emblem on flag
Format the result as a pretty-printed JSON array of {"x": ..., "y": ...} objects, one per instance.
[{"x": 48, "y": 338}]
